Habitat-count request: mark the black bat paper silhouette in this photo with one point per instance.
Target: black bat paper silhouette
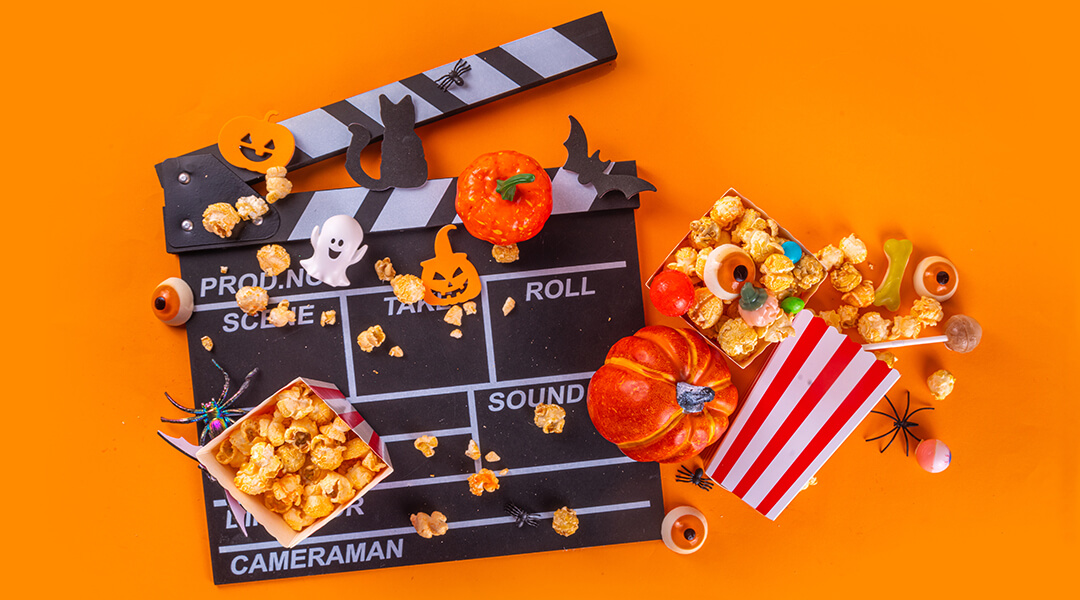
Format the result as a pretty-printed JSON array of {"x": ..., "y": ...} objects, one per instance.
[{"x": 590, "y": 169}]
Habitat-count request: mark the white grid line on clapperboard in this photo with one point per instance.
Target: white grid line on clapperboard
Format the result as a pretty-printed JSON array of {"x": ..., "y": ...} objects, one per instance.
[{"x": 360, "y": 535}]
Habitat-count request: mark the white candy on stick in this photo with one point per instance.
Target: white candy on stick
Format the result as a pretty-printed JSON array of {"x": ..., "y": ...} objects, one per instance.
[{"x": 962, "y": 334}]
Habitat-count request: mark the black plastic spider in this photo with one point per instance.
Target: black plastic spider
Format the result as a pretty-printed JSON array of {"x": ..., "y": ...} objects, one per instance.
[
  {"x": 521, "y": 516},
  {"x": 899, "y": 423},
  {"x": 698, "y": 478},
  {"x": 215, "y": 415},
  {"x": 461, "y": 67}
]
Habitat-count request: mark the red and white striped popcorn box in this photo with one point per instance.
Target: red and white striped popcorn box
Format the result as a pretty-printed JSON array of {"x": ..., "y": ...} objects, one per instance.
[
  {"x": 272, "y": 521},
  {"x": 814, "y": 390}
]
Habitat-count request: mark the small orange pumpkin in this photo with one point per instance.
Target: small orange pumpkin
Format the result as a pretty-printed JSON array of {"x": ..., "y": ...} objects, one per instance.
[
  {"x": 255, "y": 145},
  {"x": 662, "y": 395},
  {"x": 449, "y": 277}
]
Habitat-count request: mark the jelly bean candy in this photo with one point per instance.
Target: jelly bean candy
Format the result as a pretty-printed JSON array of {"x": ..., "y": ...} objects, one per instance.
[
  {"x": 792, "y": 305},
  {"x": 792, "y": 251}
]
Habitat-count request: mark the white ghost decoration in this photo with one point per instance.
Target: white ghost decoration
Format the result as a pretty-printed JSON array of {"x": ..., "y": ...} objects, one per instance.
[{"x": 337, "y": 245}]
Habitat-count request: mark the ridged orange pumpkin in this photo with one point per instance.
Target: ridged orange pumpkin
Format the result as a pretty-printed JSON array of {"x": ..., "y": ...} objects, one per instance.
[{"x": 662, "y": 395}]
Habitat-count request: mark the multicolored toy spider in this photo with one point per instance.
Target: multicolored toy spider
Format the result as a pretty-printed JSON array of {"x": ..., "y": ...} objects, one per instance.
[
  {"x": 215, "y": 415},
  {"x": 899, "y": 423},
  {"x": 698, "y": 478},
  {"x": 461, "y": 67},
  {"x": 521, "y": 516}
]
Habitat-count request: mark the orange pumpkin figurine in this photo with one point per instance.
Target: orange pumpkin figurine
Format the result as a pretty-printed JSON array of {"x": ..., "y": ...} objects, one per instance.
[
  {"x": 662, "y": 395},
  {"x": 504, "y": 197}
]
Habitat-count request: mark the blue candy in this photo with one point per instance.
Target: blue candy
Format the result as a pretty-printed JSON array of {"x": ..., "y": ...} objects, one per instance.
[{"x": 792, "y": 251}]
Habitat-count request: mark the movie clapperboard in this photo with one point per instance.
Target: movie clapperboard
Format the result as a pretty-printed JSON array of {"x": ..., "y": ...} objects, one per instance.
[{"x": 577, "y": 291}]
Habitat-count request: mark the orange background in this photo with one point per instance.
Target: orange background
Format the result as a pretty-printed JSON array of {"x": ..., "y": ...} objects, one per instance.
[{"x": 954, "y": 127}]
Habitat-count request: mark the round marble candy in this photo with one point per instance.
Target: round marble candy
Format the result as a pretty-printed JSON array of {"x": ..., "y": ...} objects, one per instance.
[
  {"x": 933, "y": 455},
  {"x": 792, "y": 305},
  {"x": 792, "y": 251}
]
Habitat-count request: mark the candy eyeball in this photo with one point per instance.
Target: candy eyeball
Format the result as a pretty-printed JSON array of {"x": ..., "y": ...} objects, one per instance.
[
  {"x": 727, "y": 268},
  {"x": 173, "y": 301},
  {"x": 684, "y": 530},
  {"x": 936, "y": 277}
]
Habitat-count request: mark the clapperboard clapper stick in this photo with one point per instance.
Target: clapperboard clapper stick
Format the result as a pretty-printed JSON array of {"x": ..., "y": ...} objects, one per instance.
[
  {"x": 193, "y": 181},
  {"x": 962, "y": 334}
]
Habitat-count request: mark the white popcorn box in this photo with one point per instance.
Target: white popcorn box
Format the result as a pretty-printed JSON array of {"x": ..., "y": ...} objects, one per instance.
[
  {"x": 272, "y": 521},
  {"x": 814, "y": 390}
]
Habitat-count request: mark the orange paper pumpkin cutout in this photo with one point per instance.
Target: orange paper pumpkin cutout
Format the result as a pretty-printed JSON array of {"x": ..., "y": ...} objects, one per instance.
[
  {"x": 255, "y": 145},
  {"x": 449, "y": 277}
]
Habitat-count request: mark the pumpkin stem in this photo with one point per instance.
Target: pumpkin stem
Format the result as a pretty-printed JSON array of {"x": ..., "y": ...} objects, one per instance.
[
  {"x": 692, "y": 398},
  {"x": 507, "y": 187},
  {"x": 442, "y": 242},
  {"x": 268, "y": 115}
]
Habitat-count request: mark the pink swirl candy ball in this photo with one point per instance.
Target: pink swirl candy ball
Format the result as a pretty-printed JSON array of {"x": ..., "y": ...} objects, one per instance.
[{"x": 933, "y": 455}]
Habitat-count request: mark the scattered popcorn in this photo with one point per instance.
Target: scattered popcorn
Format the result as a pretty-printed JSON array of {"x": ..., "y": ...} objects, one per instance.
[
  {"x": 941, "y": 383},
  {"x": 808, "y": 272},
  {"x": 873, "y": 328},
  {"x": 862, "y": 296},
  {"x": 371, "y": 338},
  {"x": 429, "y": 525},
  {"x": 220, "y": 218},
  {"x": 927, "y": 311},
  {"x": 277, "y": 187},
  {"x": 809, "y": 482},
  {"x": 224, "y": 270},
  {"x": 737, "y": 339},
  {"x": 328, "y": 317},
  {"x": 726, "y": 211},
  {"x": 484, "y": 481},
  {"x": 830, "y": 257},
  {"x": 854, "y": 249},
  {"x": 426, "y": 444},
  {"x": 281, "y": 316},
  {"x": 565, "y": 522},
  {"x": 408, "y": 288},
  {"x": 508, "y": 306},
  {"x": 503, "y": 472},
  {"x": 473, "y": 450},
  {"x": 905, "y": 327},
  {"x": 888, "y": 358},
  {"x": 505, "y": 254},
  {"x": 492, "y": 457},
  {"x": 273, "y": 259},
  {"x": 251, "y": 299},
  {"x": 456, "y": 334},
  {"x": 453, "y": 316},
  {"x": 207, "y": 343},
  {"x": 385, "y": 269},
  {"x": 470, "y": 307},
  {"x": 251, "y": 207},
  {"x": 846, "y": 278},
  {"x": 549, "y": 417},
  {"x": 396, "y": 352}
]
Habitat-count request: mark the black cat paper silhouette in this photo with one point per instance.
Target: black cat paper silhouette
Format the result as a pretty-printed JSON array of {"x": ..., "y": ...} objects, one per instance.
[{"x": 403, "y": 162}]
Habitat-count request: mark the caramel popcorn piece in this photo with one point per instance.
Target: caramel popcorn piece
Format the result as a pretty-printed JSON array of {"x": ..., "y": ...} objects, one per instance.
[
  {"x": 550, "y": 417},
  {"x": 778, "y": 330},
  {"x": 251, "y": 299},
  {"x": 453, "y": 316},
  {"x": 277, "y": 187},
  {"x": 456, "y": 334},
  {"x": 503, "y": 472},
  {"x": 371, "y": 338},
  {"x": 737, "y": 339},
  {"x": 830, "y": 256},
  {"x": 281, "y": 315},
  {"x": 273, "y": 259},
  {"x": 429, "y": 525},
  {"x": 873, "y": 328},
  {"x": 328, "y": 317},
  {"x": 706, "y": 310},
  {"x": 905, "y": 327},
  {"x": 220, "y": 218},
  {"x": 251, "y": 207},
  {"x": 846, "y": 278},
  {"x": 408, "y": 288},
  {"x": 470, "y": 307},
  {"x": 751, "y": 221},
  {"x": 685, "y": 259},
  {"x": 385, "y": 269},
  {"x": 854, "y": 249},
  {"x": 726, "y": 211},
  {"x": 808, "y": 272},
  {"x": 780, "y": 284},
  {"x": 941, "y": 383},
  {"x": 224, "y": 270},
  {"x": 296, "y": 519},
  {"x": 373, "y": 463},
  {"x": 759, "y": 245},
  {"x": 505, "y": 254},
  {"x": 473, "y": 451},
  {"x": 704, "y": 232},
  {"x": 927, "y": 311},
  {"x": 207, "y": 342},
  {"x": 565, "y": 522},
  {"x": 776, "y": 264},
  {"x": 426, "y": 444},
  {"x": 484, "y": 481},
  {"x": 492, "y": 457},
  {"x": 888, "y": 358},
  {"x": 396, "y": 352},
  {"x": 700, "y": 262},
  {"x": 862, "y": 296},
  {"x": 809, "y": 482},
  {"x": 508, "y": 306}
]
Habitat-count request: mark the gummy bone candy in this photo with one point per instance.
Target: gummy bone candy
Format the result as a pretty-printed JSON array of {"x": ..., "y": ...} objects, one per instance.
[
  {"x": 962, "y": 334},
  {"x": 888, "y": 293}
]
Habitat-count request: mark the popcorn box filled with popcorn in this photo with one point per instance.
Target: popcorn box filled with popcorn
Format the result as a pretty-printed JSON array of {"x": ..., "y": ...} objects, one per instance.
[
  {"x": 735, "y": 223},
  {"x": 298, "y": 459}
]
